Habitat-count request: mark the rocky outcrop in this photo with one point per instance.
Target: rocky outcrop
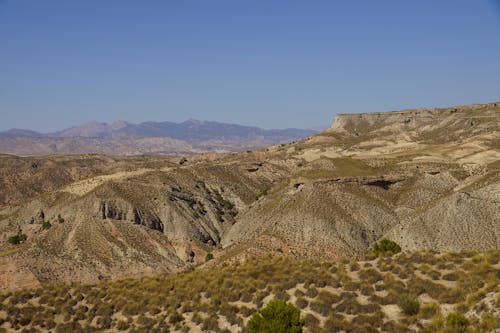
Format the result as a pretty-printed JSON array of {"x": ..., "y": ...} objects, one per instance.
[
  {"x": 147, "y": 219},
  {"x": 121, "y": 210},
  {"x": 422, "y": 119},
  {"x": 109, "y": 210}
]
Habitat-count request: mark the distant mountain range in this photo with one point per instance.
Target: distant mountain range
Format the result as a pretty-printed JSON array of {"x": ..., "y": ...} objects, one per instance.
[
  {"x": 190, "y": 130},
  {"x": 124, "y": 138}
]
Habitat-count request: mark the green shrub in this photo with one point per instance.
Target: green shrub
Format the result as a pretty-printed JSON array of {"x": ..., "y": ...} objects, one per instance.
[
  {"x": 17, "y": 239},
  {"x": 386, "y": 246},
  {"x": 277, "y": 317},
  {"x": 209, "y": 256},
  {"x": 409, "y": 304}
]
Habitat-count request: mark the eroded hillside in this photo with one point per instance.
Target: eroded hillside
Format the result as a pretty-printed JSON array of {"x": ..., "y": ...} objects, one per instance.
[{"x": 427, "y": 178}]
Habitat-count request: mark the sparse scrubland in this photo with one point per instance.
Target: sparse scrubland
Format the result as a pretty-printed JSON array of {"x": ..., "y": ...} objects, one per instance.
[{"x": 422, "y": 291}]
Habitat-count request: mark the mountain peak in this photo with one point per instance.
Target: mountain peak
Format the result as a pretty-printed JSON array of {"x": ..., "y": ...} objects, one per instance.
[{"x": 21, "y": 132}]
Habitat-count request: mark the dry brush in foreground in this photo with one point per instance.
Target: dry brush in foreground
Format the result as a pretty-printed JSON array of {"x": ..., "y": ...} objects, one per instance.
[{"x": 424, "y": 291}]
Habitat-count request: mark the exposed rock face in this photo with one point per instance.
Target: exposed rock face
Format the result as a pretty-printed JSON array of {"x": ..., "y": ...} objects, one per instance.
[
  {"x": 421, "y": 120},
  {"x": 461, "y": 220},
  {"x": 427, "y": 178},
  {"x": 109, "y": 210},
  {"x": 149, "y": 220}
]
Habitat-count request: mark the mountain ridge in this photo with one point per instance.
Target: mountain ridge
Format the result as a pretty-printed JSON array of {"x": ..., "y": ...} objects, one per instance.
[
  {"x": 160, "y": 138},
  {"x": 121, "y": 128}
]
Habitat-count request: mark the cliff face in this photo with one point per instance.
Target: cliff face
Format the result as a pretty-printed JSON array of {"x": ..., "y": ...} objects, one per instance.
[{"x": 470, "y": 118}]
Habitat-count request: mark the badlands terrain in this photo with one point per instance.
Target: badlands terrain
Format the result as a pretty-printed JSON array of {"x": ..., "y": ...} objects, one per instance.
[{"x": 428, "y": 179}]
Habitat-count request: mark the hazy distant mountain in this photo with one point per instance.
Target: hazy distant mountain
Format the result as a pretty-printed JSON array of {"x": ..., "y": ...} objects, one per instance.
[
  {"x": 190, "y": 130},
  {"x": 16, "y": 132},
  {"x": 93, "y": 129},
  {"x": 124, "y": 138}
]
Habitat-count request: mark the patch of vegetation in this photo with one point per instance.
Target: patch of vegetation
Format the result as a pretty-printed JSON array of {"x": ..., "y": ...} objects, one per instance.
[
  {"x": 457, "y": 321},
  {"x": 277, "y": 317},
  {"x": 386, "y": 246},
  {"x": 17, "y": 239},
  {"x": 409, "y": 304}
]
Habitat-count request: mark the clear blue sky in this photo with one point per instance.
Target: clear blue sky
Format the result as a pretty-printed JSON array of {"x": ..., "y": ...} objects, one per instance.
[{"x": 273, "y": 64}]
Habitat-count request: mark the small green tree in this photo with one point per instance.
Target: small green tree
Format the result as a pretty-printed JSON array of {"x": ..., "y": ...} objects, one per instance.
[
  {"x": 386, "y": 246},
  {"x": 209, "y": 256},
  {"x": 277, "y": 317}
]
